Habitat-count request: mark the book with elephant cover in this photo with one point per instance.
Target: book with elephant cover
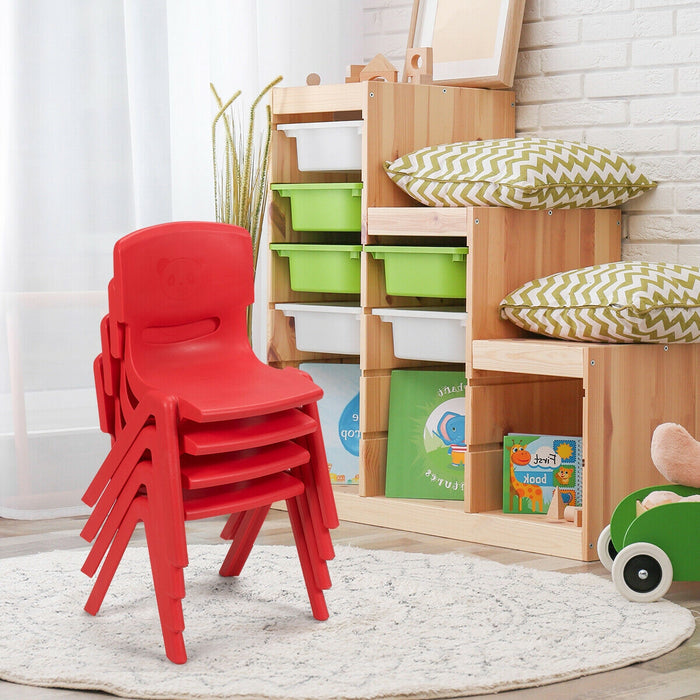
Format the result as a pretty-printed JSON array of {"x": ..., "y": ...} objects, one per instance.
[
  {"x": 535, "y": 465},
  {"x": 425, "y": 450}
]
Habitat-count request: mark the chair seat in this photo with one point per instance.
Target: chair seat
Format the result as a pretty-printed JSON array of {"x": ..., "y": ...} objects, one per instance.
[
  {"x": 205, "y": 472},
  {"x": 244, "y": 495},
  {"x": 256, "y": 431},
  {"x": 225, "y": 390}
]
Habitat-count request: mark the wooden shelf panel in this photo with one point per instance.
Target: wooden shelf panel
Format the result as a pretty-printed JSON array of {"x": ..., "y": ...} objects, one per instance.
[
  {"x": 317, "y": 99},
  {"x": 555, "y": 358},
  {"x": 448, "y": 519},
  {"x": 419, "y": 221}
]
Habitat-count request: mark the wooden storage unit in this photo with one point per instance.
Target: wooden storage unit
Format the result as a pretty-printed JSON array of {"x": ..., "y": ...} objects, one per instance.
[
  {"x": 506, "y": 248},
  {"x": 612, "y": 395}
]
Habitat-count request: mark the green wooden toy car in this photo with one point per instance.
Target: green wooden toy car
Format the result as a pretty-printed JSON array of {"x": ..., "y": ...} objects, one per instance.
[{"x": 645, "y": 553}]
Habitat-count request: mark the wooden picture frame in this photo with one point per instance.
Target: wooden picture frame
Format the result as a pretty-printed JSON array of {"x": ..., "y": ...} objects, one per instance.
[{"x": 474, "y": 42}]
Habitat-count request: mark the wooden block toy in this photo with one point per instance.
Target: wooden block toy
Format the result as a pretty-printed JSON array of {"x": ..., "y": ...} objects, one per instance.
[
  {"x": 379, "y": 68},
  {"x": 354, "y": 71},
  {"x": 556, "y": 507},
  {"x": 313, "y": 79},
  {"x": 574, "y": 514},
  {"x": 419, "y": 66}
]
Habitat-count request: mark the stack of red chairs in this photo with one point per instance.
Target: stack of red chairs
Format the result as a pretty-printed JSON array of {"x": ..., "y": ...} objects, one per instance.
[{"x": 200, "y": 427}]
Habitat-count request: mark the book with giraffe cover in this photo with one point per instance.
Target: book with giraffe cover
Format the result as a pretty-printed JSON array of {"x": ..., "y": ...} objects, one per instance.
[{"x": 534, "y": 465}]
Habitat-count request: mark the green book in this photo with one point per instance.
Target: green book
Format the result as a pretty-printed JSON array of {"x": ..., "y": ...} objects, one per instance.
[{"x": 425, "y": 450}]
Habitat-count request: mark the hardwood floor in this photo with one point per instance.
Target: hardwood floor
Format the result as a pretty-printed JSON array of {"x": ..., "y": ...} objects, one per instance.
[{"x": 670, "y": 677}]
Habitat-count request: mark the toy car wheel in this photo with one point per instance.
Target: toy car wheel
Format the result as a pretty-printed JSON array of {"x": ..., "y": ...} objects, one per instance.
[
  {"x": 606, "y": 549},
  {"x": 642, "y": 572}
]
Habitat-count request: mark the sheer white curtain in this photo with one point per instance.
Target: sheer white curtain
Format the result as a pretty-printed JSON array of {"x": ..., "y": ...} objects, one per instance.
[{"x": 105, "y": 128}]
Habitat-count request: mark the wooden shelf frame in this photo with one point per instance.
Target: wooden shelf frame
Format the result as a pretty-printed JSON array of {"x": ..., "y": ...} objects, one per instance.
[
  {"x": 612, "y": 395},
  {"x": 447, "y": 519}
]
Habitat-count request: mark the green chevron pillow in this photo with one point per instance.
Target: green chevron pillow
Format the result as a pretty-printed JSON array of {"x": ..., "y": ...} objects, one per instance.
[
  {"x": 622, "y": 302},
  {"x": 521, "y": 173}
]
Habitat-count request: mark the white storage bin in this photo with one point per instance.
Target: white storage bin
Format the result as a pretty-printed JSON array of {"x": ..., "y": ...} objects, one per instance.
[
  {"x": 327, "y": 145},
  {"x": 436, "y": 334},
  {"x": 332, "y": 328}
]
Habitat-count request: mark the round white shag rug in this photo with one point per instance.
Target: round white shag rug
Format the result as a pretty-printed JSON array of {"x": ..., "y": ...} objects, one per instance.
[{"x": 401, "y": 625}]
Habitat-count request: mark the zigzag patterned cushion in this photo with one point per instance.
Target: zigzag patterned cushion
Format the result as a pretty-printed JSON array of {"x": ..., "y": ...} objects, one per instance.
[
  {"x": 521, "y": 173},
  {"x": 622, "y": 302}
]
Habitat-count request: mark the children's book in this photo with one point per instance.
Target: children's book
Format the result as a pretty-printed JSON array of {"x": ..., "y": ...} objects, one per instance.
[
  {"x": 339, "y": 411},
  {"x": 534, "y": 466},
  {"x": 425, "y": 450}
]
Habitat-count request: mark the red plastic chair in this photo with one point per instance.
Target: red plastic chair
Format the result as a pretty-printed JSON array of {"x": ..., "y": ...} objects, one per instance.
[
  {"x": 199, "y": 426},
  {"x": 249, "y": 497},
  {"x": 198, "y": 280}
]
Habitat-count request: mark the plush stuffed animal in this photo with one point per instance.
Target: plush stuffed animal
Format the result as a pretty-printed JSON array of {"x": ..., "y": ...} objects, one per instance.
[{"x": 676, "y": 454}]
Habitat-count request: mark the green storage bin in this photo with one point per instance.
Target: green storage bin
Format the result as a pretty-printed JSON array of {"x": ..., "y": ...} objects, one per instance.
[
  {"x": 318, "y": 267},
  {"x": 423, "y": 271},
  {"x": 324, "y": 206}
]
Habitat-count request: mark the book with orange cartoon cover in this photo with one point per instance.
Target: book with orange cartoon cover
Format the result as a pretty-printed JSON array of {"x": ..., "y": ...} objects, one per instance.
[{"x": 535, "y": 465}]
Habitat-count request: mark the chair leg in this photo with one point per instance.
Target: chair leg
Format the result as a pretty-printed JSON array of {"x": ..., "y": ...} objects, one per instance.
[
  {"x": 163, "y": 410},
  {"x": 114, "y": 521},
  {"x": 166, "y": 468},
  {"x": 169, "y": 607},
  {"x": 319, "y": 464},
  {"x": 246, "y": 530},
  {"x": 172, "y": 622},
  {"x": 318, "y": 563},
  {"x": 110, "y": 564},
  {"x": 119, "y": 450},
  {"x": 113, "y": 490},
  {"x": 174, "y": 644},
  {"x": 117, "y": 530},
  {"x": 323, "y": 536},
  {"x": 232, "y": 525},
  {"x": 165, "y": 572},
  {"x": 315, "y": 593}
]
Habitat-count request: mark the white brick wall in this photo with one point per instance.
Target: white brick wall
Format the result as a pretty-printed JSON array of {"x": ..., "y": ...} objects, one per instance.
[{"x": 623, "y": 74}]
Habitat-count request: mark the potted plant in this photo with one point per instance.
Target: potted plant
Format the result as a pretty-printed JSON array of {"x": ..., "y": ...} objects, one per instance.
[{"x": 241, "y": 180}]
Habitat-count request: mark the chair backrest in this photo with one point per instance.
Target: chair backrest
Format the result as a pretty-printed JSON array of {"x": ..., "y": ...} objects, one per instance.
[{"x": 183, "y": 280}]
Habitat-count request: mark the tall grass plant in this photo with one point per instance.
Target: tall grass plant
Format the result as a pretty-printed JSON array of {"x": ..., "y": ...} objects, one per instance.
[{"x": 241, "y": 167}]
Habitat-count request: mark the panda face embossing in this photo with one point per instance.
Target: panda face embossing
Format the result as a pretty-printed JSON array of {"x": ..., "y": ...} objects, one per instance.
[{"x": 180, "y": 277}]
